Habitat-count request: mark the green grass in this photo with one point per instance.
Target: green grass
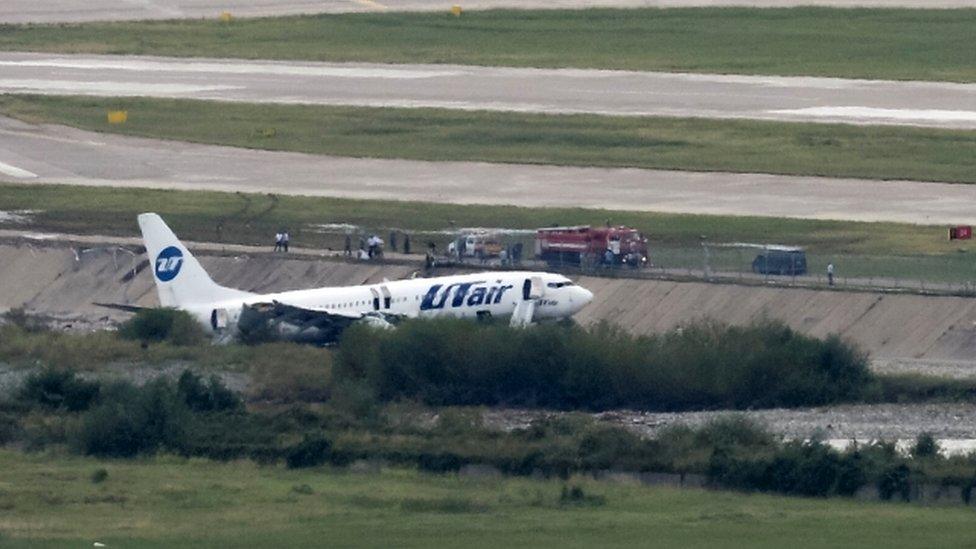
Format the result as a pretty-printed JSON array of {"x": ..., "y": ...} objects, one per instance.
[
  {"x": 832, "y": 150},
  {"x": 49, "y": 500},
  {"x": 862, "y": 43}
]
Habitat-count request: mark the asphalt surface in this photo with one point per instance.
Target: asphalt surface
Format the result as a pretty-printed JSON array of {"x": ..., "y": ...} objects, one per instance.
[
  {"x": 67, "y": 11},
  {"x": 796, "y": 99},
  {"x": 57, "y": 154}
]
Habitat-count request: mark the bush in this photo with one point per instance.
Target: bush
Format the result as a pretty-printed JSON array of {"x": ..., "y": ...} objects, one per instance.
[
  {"x": 206, "y": 397},
  {"x": 310, "y": 452},
  {"x": 894, "y": 481},
  {"x": 576, "y": 496},
  {"x": 925, "y": 446},
  {"x": 157, "y": 325},
  {"x": 131, "y": 421},
  {"x": 602, "y": 447},
  {"x": 799, "y": 468},
  {"x": 10, "y": 428},
  {"x": 59, "y": 389},
  {"x": 440, "y": 462},
  {"x": 20, "y": 318},
  {"x": 706, "y": 365},
  {"x": 99, "y": 476}
]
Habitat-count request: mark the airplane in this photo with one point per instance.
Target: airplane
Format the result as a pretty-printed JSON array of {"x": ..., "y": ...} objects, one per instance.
[{"x": 320, "y": 315}]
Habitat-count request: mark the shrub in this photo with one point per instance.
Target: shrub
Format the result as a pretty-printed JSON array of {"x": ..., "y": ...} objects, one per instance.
[
  {"x": 20, "y": 318},
  {"x": 603, "y": 447},
  {"x": 852, "y": 474},
  {"x": 130, "y": 421},
  {"x": 894, "y": 481},
  {"x": 705, "y": 365},
  {"x": 10, "y": 428},
  {"x": 800, "y": 468},
  {"x": 99, "y": 476},
  {"x": 925, "y": 446},
  {"x": 157, "y": 325},
  {"x": 312, "y": 451},
  {"x": 356, "y": 401},
  {"x": 576, "y": 496},
  {"x": 206, "y": 397},
  {"x": 440, "y": 462},
  {"x": 54, "y": 389}
]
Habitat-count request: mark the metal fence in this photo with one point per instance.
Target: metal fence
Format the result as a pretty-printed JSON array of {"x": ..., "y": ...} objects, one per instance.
[
  {"x": 946, "y": 274},
  {"x": 954, "y": 275}
]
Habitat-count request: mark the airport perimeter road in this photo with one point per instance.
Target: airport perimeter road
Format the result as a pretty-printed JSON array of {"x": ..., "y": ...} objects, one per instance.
[
  {"x": 56, "y": 154},
  {"x": 808, "y": 99},
  {"x": 63, "y": 11}
]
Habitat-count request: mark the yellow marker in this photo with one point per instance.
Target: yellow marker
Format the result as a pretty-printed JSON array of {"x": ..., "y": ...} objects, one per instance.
[
  {"x": 226, "y": 17},
  {"x": 117, "y": 117},
  {"x": 456, "y": 10}
]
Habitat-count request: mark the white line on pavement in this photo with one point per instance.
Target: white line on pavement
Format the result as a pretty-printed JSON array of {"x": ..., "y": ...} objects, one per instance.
[
  {"x": 870, "y": 113},
  {"x": 14, "y": 171},
  {"x": 232, "y": 67}
]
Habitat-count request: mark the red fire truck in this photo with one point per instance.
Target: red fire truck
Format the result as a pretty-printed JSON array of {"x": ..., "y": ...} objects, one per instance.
[{"x": 591, "y": 246}]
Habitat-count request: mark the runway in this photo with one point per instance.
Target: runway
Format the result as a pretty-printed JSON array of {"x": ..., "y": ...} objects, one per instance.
[
  {"x": 57, "y": 154},
  {"x": 69, "y": 11},
  {"x": 622, "y": 93}
]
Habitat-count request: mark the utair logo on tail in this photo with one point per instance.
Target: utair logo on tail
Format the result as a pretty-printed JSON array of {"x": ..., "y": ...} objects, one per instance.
[{"x": 168, "y": 263}]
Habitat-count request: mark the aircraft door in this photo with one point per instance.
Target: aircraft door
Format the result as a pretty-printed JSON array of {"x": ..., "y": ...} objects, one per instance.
[
  {"x": 376, "y": 299},
  {"x": 387, "y": 297},
  {"x": 218, "y": 319},
  {"x": 532, "y": 288}
]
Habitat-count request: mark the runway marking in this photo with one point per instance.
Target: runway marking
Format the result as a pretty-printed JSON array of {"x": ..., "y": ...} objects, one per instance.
[
  {"x": 230, "y": 67},
  {"x": 34, "y": 135},
  {"x": 51, "y": 87},
  {"x": 14, "y": 171},
  {"x": 906, "y": 115}
]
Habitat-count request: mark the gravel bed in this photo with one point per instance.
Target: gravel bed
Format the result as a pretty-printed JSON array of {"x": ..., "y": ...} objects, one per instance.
[{"x": 861, "y": 422}]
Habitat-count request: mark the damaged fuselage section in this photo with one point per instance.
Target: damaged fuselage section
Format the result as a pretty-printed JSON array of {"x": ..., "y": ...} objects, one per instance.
[{"x": 275, "y": 321}]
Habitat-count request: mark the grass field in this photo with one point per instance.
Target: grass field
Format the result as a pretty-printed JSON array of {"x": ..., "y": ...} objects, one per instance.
[
  {"x": 862, "y": 43},
  {"x": 587, "y": 140},
  {"x": 49, "y": 500}
]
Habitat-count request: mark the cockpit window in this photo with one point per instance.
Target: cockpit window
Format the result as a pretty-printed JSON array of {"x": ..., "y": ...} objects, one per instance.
[{"x": 559, "y": 284}]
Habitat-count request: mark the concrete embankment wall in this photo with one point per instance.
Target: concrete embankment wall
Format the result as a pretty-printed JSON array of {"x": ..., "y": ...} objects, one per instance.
[
  {"x": 889, "y": 326},
  {"x": 65, "y": 281}
]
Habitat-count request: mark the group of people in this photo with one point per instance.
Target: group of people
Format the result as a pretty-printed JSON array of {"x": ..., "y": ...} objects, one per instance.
[
  {"x": 281, "y": 241},
  {"x": 372, "y": 246}
]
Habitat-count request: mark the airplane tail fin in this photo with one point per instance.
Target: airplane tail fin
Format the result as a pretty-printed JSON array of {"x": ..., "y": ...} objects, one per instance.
[{"x": 180, "y": 279}]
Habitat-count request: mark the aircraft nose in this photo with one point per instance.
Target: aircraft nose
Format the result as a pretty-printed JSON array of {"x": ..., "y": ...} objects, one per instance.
[{"x": 582, "y": 297}]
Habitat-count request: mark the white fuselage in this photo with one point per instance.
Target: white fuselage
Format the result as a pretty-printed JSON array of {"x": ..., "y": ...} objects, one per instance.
[{"x": 494, "y": 294}]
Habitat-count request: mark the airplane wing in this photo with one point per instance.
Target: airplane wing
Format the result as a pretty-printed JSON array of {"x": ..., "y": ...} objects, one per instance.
[
  {"x": 120, "y": 307},
  {"x": 276, "y": 320}
]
